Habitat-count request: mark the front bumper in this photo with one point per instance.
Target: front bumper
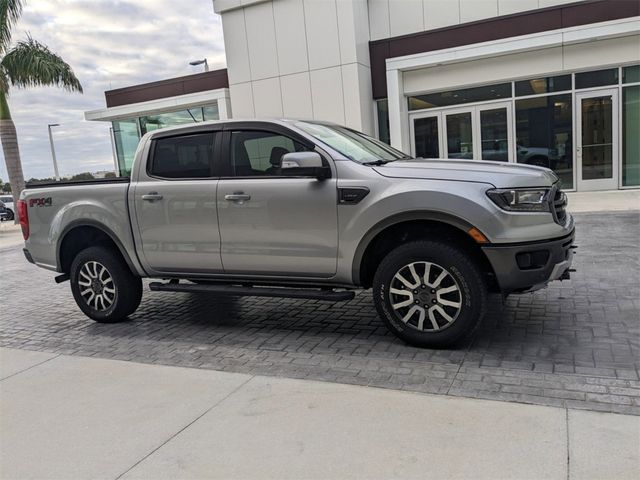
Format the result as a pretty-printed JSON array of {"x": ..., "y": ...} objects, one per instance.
[{"x": 524, "y": 267}]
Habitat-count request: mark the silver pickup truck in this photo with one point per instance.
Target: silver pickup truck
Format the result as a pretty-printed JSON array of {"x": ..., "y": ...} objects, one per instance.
[{"x": 303, "y": 209}]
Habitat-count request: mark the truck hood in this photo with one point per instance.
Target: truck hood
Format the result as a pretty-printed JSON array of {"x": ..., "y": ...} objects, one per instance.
[{"x": 498, "y": 174}]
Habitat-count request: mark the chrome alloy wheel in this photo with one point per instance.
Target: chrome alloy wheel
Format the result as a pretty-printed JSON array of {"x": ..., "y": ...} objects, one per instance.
[
  {"x": 425, "y": 290},
  {"x": 96, "y": 286}
]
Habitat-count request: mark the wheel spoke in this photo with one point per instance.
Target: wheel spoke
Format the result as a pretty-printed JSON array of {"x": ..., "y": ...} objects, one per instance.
[
  {"x": 405, "y": 303},
  {"x": 421, "y": 318},
  {"x": 102, "y": 272},
  {"x": 110, "y": 290},
  {"x": 450, "y": 289},
  {"x": 432, "y": 317},
  {"x": 85, "y": 292},
  {"x": 85, "y": 276},
  {"x": 404, "y": 281},
  {"x": 444, "y": 314},
  {"x": 441, "y": 277},
  {"x": 415, "y": 276},
  {"x": 410, "y": 313},
  {"x": 448, "y": 303},
  {"x": 427, "y": 272}
]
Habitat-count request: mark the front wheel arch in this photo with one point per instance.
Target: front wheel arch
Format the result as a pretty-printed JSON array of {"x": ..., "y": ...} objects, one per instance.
[{"x": 413, "y": 226}]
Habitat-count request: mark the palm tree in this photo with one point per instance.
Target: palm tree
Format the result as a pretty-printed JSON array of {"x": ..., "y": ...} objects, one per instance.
[{"x": 27, "y": 64}]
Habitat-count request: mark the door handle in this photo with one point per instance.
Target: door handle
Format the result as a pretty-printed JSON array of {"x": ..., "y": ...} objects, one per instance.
[
  {"x": 238, "y": 197},
  {"x": 152, "y": 197}
]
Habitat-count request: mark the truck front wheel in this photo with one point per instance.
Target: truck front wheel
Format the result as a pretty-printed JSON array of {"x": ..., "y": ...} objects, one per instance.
[
  {"x": 103, "y": 286},
  {"x": 429, "y": 294}
]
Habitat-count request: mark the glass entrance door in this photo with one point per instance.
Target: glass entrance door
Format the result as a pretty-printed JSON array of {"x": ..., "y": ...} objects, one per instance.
[
  {"x": 597, "y": 139},
  {"x": 474, "y": 132},
  {"x": 425, "y": 131}
]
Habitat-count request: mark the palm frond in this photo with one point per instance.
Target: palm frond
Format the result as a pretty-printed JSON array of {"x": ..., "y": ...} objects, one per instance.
[
  {"x": 10, "y": 11},
  {"x": 31, "y": 64}
]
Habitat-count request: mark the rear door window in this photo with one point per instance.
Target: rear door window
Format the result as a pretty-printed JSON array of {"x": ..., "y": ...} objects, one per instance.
[{"x": 184, "y": 156}]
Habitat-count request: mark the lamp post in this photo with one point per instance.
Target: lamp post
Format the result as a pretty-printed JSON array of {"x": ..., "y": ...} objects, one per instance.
[
  {"x": 200, "y": 62},
  {"x": 53, "y": 150}
]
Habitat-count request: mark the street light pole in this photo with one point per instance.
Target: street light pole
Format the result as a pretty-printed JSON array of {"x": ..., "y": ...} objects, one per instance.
[
  {"x": 201, "y": 62},
  {"x": 53, "y": 150}
]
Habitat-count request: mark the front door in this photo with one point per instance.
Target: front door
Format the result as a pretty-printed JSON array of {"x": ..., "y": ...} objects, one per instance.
[
  {"x": 597, "y": 139},
  {"x": 175, "y": 206},
  {"x": 471, "y": 132},
  {"x": 272, "y": 224}
]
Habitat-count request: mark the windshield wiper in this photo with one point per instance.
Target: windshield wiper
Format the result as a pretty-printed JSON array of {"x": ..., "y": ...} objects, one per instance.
[{"x": 376, "y": 163}]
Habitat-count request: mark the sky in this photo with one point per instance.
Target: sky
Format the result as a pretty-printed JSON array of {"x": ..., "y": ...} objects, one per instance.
[{"x": 109, "y": 44}]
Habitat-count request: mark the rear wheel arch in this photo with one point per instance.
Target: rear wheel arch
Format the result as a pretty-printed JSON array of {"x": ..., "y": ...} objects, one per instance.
[
  {"x": 78, "y": 236},
  {"x": 410, "y": 226}
]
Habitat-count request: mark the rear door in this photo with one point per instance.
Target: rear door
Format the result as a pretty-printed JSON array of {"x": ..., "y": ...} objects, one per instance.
[
  {"x": 272, "y": 224},
  {"x": 175, "y": 204}
]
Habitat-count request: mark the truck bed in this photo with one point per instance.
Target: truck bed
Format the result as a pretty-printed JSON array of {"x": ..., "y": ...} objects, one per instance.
[{"x": 71, "y": 183}]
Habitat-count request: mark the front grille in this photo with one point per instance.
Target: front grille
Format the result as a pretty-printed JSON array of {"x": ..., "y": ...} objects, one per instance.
[{"x": 559, "y": 207}]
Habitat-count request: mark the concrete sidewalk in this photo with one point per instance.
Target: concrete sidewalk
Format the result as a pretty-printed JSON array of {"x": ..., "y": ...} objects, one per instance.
[{"x": 72, "y": 417}]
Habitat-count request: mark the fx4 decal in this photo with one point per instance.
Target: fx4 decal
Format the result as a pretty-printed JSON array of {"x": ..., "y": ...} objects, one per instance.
[{"x": 40, "y": 202}]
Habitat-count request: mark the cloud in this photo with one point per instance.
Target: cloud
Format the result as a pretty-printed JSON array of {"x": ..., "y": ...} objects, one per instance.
[{"x": 110, "y": 44}]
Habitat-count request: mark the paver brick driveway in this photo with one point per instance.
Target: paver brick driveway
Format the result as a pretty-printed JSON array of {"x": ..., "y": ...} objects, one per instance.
[{"x": 575, "y": 344}]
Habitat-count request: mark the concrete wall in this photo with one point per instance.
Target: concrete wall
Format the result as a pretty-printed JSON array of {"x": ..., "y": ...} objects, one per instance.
[
  {"x": 299, "y": 58},
  {"x": 549, "y": 61},
  {"x": 390, "y": 18}
]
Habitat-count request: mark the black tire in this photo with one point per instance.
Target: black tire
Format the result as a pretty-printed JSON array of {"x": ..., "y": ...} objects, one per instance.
[
  {"x": 126, "y": 287},
  {"x": 466, "y": 287},
  {"x": 10, "y": 214}
]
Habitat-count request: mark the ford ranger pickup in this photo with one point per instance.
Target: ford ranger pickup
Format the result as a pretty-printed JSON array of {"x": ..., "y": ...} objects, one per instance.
[{"x": 303, "y": 209}]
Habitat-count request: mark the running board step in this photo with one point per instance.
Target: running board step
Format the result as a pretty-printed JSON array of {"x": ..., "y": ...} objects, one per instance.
[{"x": 328, "y": 295}]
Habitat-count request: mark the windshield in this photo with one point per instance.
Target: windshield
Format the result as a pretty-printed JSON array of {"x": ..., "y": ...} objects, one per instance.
[{"x": 353, "y": 145}]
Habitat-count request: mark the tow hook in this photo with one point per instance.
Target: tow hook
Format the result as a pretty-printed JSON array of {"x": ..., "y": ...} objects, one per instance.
[
  {"x": 566, "y": 275},
  {"x": 62, "y": 278}
]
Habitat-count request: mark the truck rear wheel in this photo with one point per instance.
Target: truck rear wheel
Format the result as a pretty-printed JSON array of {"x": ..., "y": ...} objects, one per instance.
[
  {"x": 429, "y": 294},
  {"x": 103, "y": 286}
]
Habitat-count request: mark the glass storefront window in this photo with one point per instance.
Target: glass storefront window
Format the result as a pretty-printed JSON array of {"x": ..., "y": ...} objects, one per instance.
[
  {"x": 458, "y": 97},
  {"x": 426, "y": 137},
  {"x": 382, "y": 111},
  {"x": 126, "y": 137},
  {"x": 631, "y": 74},
  {"x": 459, "y": 135},
  {"x": 544, "y": 134},
  {"x": 494, "y": 134},
  {"x": 162, "y": 120},
  {"x": 597, "y": 78},
  {"x": 210, "y": 112},
  {"x": 630, "y": 137},
  {"x": 536, "y": 86}
]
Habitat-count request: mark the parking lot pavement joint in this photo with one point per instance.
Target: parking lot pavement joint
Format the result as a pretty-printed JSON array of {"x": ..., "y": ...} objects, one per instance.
[
  {"x": 154, "y": 450},
  {"x": 29, "y": 368}
]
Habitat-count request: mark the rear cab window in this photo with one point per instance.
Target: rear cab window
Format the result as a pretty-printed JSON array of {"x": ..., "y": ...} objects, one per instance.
[{"x": 183, "y": 156}]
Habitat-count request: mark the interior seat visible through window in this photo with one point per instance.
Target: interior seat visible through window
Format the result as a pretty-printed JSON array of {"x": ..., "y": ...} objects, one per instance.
[{"x": 255, "y": 153}]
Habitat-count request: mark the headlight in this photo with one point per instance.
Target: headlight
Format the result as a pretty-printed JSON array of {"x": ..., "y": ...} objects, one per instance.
[{"x": 521, "y": 200}]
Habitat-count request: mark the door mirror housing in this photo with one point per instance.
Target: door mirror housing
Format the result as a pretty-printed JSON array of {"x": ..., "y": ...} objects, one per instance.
[{"x": 304, "y": 164}]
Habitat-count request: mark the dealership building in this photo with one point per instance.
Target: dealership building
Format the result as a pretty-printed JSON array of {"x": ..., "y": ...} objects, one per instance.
[{"x": 543, "y": 82}]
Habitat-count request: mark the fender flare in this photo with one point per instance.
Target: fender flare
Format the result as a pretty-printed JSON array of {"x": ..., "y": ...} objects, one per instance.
[
  {"x": 104, "y": 229},
  {"x": 413, "y": 215}
]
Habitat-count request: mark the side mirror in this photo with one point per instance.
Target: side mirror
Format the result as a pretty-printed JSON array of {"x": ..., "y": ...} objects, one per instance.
[{"x": 304, "y": 164}]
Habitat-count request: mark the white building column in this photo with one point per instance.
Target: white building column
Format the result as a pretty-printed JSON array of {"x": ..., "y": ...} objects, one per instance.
[{"x": 398, "y": 125}]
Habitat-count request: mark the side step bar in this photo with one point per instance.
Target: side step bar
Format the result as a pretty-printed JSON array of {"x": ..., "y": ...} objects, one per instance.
[{"x": 328, "y": 295}]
